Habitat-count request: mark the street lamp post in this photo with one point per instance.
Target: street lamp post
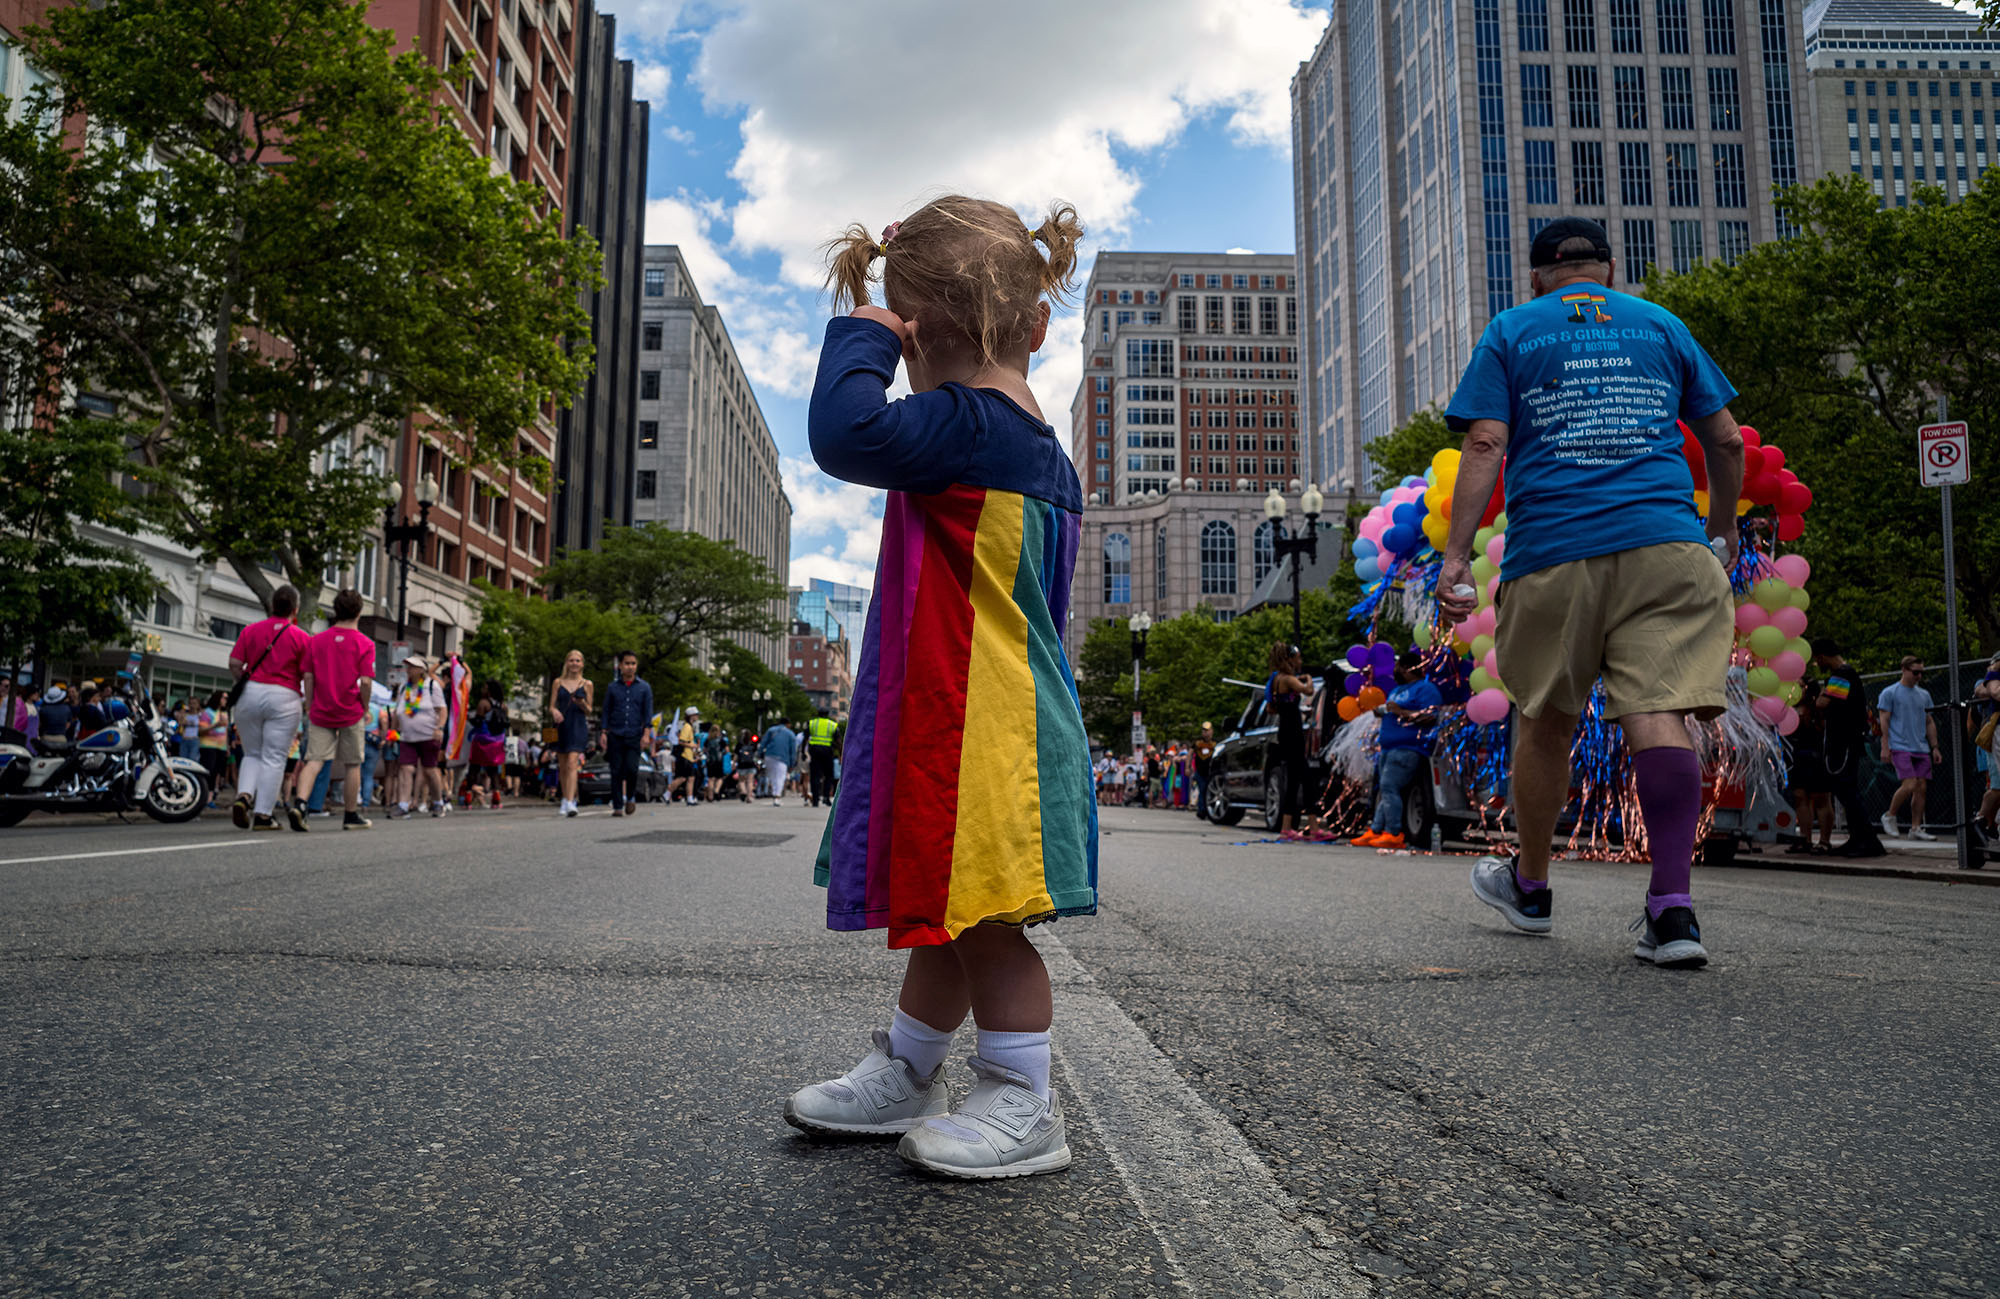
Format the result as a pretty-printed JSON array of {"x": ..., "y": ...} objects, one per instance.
[
  {"x": 1310, "y": 503},
  {"x": 405, "y": 534},
  {"x": 1139, "y": 624}
]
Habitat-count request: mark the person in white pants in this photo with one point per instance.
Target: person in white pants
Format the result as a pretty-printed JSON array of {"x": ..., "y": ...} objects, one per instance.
[
  {"x": 774, "y": 779},
  {"x": 272, "y": 654}
]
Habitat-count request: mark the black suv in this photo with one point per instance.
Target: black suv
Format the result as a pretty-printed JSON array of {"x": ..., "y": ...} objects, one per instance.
[{"x": 1244, "y": 772}]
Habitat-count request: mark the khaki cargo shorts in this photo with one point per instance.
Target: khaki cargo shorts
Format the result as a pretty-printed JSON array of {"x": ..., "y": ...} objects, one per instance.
[
  {"x": 331, "y": 744},
  {"x": 1657, "y": 623}
]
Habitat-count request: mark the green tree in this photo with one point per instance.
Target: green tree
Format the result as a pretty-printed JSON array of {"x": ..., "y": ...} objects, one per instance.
[
  {"x": 60, "y": 592},
  {"x": 1409, "y": 449},
  {"x": 545, "y": 631},
  {"x": 489, "y": 650},
  {"x": 687, "y": 589},
  {"x": 1841, "y": 340},
  {"x": 275, "y": 245}
]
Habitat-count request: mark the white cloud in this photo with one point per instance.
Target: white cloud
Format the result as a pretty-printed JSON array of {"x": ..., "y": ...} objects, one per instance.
[
  {"x": 1241, "y": 252},
  {"x": 823, "y": 506},
  {"x": 861, "y": 121},
  {"x": 764, "y": 321},
  {"x": 825, "y": 564},
  {"x": 644, "y": 20},
  {"x": 678, "y": 134},
  {"x": 650, "y": 81}
]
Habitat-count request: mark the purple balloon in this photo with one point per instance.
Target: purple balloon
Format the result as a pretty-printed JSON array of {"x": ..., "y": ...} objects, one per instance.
[
  {"x": 1356, "y": 656},
  {"x": 1383, "y": 658},
  {"x": 1354, "y": 683}
]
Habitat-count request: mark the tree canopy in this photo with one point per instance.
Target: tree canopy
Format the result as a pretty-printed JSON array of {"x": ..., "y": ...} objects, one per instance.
[
  {"x": 1409, "y": 449},
  {"x": 1841, "y": 339},
  {"x": 687, "y": 589},
  {"x": 272, "y": 246}
]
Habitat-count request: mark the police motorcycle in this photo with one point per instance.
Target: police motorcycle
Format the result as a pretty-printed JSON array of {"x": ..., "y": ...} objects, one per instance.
[{"x": 129, "y": 764}]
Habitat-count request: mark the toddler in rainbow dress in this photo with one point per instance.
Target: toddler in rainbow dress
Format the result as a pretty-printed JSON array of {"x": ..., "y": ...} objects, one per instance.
[{"x": 966, "y": 809}]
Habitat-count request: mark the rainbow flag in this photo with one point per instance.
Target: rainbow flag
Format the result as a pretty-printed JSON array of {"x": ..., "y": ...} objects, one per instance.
[
  {"x": 966, "y": 789},
  {"x": 457, "y": 707}
]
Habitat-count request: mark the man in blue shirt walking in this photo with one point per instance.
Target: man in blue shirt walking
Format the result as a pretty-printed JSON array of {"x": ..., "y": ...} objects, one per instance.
[
  {"x": 1608, "y": 571},
  {"x": 780, "y": 747},
  {"x": 628, "y": 722}
]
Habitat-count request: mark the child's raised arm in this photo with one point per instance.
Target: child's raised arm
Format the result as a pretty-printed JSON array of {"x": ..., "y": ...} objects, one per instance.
[{"x": 918, "y": 443}]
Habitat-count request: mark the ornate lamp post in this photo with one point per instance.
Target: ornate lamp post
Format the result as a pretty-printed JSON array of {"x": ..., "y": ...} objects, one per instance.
[
  {"x": 405, "y": 534},
  {"x": 1310, "y": 503},
  {"x": 1138, "y": 624}
]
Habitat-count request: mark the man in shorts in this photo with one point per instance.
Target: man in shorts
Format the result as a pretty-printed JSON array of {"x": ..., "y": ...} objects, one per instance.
[
  {"x": 339, "y": 678},
  {"x": 1909, "y": 744},
  {"x": 1609, "y": 571},
  {"x": 419, "y": 714}
]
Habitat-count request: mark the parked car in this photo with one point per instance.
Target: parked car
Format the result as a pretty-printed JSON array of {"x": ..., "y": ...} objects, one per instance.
[
  {"x": 1244, "y": 773},
  {"x": 593, "y": 782}
]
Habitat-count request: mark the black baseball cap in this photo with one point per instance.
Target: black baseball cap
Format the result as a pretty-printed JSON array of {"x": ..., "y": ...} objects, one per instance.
[{"x": 1543, "y": 252}]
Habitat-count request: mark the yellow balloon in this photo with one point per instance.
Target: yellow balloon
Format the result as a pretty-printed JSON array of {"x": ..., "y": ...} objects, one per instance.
[
  {"x": 1701, "y": 503},
  {"x": 1445, "y": 461},
  {"x": 1742, "y": 505}
]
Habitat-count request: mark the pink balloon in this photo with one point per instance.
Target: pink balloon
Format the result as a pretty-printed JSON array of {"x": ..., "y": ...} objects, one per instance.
[
  {"x": 1749, "y": 617},
  {"x": 1789, "y": 722},
  {"x": 1770, "y": 708},
  {"x": 1496, "y": 549},
  {"x": 1790, "y": 621},
  {"x": 1492, "y": 588},
  {"x": 1788, "y": 666},
  {"x": 1492, "y": 664},
  {"x": 1794, "y": 569},
  {"x": 1487, "y": 706},
  {"x": 1374, "y": 526}
]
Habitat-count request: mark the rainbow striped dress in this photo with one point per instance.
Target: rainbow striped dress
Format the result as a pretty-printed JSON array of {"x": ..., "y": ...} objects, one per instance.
[{"x": 965, "y": 791}]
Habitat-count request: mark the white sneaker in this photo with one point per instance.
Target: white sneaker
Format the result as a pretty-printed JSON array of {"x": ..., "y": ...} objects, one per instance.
[
  {"x": 882, "y": 1096},
  {"x": 1002, "y": 1129},
  {"x": 1889, "y": 826},
  {"x": 1918, "y": 832}
]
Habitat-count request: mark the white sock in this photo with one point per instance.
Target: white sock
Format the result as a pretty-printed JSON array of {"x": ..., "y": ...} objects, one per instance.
[
  {"x": 1024, "y": 1053},
  {"x": 917, "y": 1042}
]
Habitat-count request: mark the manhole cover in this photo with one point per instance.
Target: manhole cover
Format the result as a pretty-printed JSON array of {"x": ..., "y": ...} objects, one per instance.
[{"x": 706, "y": 839}]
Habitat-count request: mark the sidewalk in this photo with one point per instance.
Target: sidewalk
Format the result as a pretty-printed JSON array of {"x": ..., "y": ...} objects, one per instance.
[{"x": 1907, "y": 859}]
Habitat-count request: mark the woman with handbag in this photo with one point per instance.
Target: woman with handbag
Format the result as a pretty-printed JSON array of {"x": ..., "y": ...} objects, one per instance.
[{"x": 269, "y": 661}]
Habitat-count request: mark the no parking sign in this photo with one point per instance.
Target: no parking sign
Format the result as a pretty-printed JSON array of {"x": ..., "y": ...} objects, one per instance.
[{"x": 1944, "y": 454}]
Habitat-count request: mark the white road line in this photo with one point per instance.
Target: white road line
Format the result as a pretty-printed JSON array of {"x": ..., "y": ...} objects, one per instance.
[
  {"x": 1225, "y": 1224},
  {"x": 128, "y": 852}
]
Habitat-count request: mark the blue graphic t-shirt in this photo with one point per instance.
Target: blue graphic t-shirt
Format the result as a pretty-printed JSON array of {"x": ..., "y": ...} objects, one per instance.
[
  {"x": 1414, "y": 697},
  {"x": 1589, "y": 382}
]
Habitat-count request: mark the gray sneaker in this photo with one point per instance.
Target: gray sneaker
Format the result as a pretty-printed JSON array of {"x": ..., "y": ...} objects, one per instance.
[
  {"x": 880, "y": 1097},
  {"x": 1002, "y": 1129},
  {"x": 1494, "y": 884}
]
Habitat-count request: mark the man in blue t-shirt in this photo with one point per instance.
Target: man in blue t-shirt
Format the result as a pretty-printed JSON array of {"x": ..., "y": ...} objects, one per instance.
[
  {"x": 1408, "y": 719},
  {"x": 1909, "y": 744},
  {"x": 1608, "y": 570}
]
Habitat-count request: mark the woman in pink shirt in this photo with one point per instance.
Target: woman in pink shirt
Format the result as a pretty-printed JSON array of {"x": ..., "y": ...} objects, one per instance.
[{"x": 272, "y": 653}]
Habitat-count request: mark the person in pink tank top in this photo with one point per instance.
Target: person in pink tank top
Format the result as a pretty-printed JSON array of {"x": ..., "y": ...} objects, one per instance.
[{"x": 271, "y": 657}]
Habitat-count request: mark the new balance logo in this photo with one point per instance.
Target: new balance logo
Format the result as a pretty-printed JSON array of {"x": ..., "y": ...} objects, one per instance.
[
  {"x": 885, "y": 1088},
  {"x": 1014, "y": 1112}
]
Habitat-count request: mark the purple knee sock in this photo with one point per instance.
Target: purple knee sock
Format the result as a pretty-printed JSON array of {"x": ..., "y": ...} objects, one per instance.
[{"x": 1669, "y": 783}]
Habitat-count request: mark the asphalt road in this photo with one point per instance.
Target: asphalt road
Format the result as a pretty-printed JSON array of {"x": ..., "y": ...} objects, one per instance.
[{"x": 507, "y": 1054}]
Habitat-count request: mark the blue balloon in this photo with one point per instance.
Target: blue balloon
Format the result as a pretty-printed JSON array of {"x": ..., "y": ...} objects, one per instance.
[
  {"x": 1401, "y": 539},
  {"x": 1386, "y": 495},
  {"x": 1409, "y": 515},
  {"x": 1367, "y": 569},
  {"x": 1363, "y": 548}
]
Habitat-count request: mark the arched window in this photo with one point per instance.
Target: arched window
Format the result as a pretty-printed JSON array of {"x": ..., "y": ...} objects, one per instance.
[
  {"x": 1263, "y": 552},
  {"x": 1160, "y": 564},
  {"x": 1117, "y": 569},
  {"x": 1218, "y": 558}
]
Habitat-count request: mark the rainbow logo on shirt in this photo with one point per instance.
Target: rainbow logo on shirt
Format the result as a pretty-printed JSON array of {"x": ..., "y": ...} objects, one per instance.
[
  {"x": 1581, "y": 299},
  {"x": 1836, "y": 688}
]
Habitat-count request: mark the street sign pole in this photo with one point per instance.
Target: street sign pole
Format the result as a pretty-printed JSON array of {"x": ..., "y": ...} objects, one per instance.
[{"x": 1956, "y": 742}]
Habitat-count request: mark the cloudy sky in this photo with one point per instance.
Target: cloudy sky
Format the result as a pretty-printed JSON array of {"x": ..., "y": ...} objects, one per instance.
[{"x": 778, "y": 122}]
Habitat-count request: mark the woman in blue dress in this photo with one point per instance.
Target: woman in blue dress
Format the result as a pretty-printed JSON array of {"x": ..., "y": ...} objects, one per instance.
[{"x": 571, "y": 704}]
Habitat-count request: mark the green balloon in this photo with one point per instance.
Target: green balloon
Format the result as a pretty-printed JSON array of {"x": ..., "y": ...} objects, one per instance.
[
  {"x": 1500, "y": 521},
  {"x": 1483, "y": 570},
  {"x": 1771, "y": 593},
  {"x": 1800, "y": 646},
  {"x": 1767, "y": 642},
  {"x": 1800, "y": 600},
  {"x": 1421, "y": 634},
  {"x": 1481, "y": 538},
  {"x": 1793, "y": 692},
  {"x": 1763, "y": 681},
  {"x": 1480, "y": 680}
]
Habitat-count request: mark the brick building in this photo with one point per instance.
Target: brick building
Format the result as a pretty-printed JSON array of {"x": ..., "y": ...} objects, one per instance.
[{"x": 821, "y": 667}]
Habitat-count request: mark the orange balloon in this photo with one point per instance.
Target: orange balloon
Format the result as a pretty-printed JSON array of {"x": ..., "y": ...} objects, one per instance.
[
  {"x": 1371, "y": 698},
  {"x": 1348, "y": 708}
]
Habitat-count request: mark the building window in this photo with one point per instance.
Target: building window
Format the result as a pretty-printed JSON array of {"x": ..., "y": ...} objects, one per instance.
[
  {"x": 1212, "y": 314},
  {"x": 656, "y": 281},
  {"x": 650, "y": 334},
  {"x": 1267, "y": 315},
  {"x": 1532, "y": 19},
  {"x": 1584, "y": 98},
  {"x": 649, "y": 484},
  {"x": 1683, "y": 180},
  {"x": 1628, "y": 93},
  {"x": 1677, "y": 99},
  {"x": 1640, "y": 250},
  {"x": 1537, "y": 104},
  {"x": 1673, "y": 19},
  {"x": 1218, "y": 558},
  {"x": 1580, "y": 26},
  {"x": 1627, "y": 34},
  {"x": 649, "y": 433},
  {"x": 1718, "y": 26},
  {"x": 1586, "y": 172},
  {"x": 224, "y": 629},
  {"x": 1541, "y": 171},
  {"x": 1635, "y": 173},
  {"x": 1725, "y": 111},
  {"x": 649, "y": 385},
  {"x": 1160, "y": 564},
  {"x": 1150, "y": 358},
  {"x": 1263, "y": 552},
  {"x": 1117, "y": 569},
  {"x": 1239, "y": 315},
  {"x": 1775, "y": 30},
  {"x": 1686, "y": 236},
  {"x": 1732, "y": 240},
  {"x": 1729, "y": 182},
  {"x": 1493, "y": 177},
  {"x": 1185, "y": 312}
]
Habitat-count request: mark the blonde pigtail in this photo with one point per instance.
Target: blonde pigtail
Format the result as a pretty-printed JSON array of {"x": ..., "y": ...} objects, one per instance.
[
  {"x": 848, "y": 258},
  {"x": 1060, "y": 233}
]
